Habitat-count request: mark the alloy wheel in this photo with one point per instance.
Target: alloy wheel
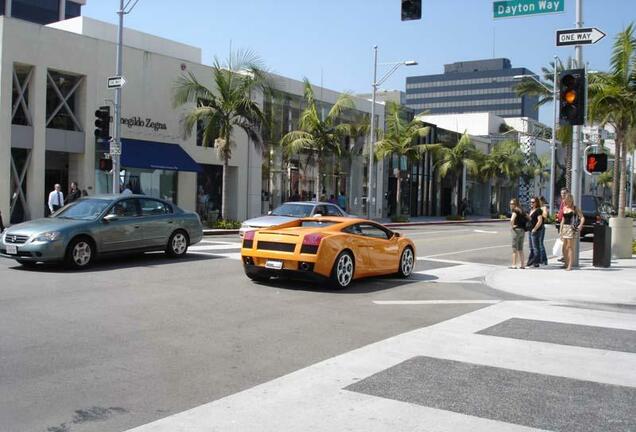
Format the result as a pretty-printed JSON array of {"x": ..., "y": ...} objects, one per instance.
[
  {"x": 179, "y": 244},
  {"x": 82, "y": 253},
  {"x": 407, "y": 262},
  {"x": 344, "y": 270}
]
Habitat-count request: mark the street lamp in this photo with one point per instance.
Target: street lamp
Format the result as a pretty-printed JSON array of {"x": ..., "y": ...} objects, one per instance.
[
  {"x": 377, "y": 83},
  {"x": 554, "y": 127}
]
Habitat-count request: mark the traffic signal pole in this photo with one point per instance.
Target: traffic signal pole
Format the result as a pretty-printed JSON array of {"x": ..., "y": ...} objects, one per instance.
[
  {"x": 115, "y": 156},
  {"x": 577, "y": 178}
]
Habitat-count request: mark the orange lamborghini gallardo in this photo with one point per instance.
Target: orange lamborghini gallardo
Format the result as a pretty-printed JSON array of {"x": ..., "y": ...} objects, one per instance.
[{"x": 335, "y": 250}]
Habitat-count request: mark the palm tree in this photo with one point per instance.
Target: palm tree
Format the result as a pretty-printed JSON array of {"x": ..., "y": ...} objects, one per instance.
[
  {"x": 530, "y": 87},
  {"x": 613, "y": 101},
  {"x": 605, "y": 180},
  {"x": 453, "y": 160},
  {"x": 402, "y": 139},
  {"x": 218, "y": 112},
  {"x": 505, "y": 162},
  {"x": 320, "y": 136}
]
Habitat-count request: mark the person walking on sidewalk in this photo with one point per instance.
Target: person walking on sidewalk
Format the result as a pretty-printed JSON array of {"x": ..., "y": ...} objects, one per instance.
[
  {"x": 537, "y": 250},
  {"x": 56, "y": 199},
  {"x": 572, "y": 219},
  {"x": 518, "y": 221},
  {"x": 545, "y": 213},
  {"x": 74, "y": 194}
]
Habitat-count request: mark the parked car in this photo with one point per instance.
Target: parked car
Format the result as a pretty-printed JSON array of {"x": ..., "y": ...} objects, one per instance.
[
  {"x": 102, "y": 225},
  {"x": 335, "y": 250},
  {"x": 290, "y": 211},
  {"x": 595, "y": 212}
]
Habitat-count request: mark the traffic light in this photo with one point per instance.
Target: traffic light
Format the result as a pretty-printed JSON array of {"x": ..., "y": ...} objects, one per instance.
[
  {"x": 411, "y": 10},
  {"x": 572, "y": 100},
  {"x": 102, "y": 122},
  {"x": 596, "y": 162},
  {"x": 105, "y": 164}
]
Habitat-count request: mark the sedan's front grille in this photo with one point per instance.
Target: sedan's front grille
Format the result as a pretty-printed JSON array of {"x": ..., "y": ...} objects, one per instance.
[
  {"x": 276, "y": 246},
  {"x": 15, "y": 238}
]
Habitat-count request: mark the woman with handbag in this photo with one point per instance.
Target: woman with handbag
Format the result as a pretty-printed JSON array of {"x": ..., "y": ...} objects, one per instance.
[
  {"x": 572, "y": 219},
  {"x": 518, "y": 221},
  {"x": 544, "y": 213}
]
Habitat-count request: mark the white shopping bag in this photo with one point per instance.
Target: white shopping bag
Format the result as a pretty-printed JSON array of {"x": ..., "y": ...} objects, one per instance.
[{"x": 557, "y": 249}]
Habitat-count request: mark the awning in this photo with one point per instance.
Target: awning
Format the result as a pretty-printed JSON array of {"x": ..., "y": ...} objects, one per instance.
[{"x": 156, "y": 155}]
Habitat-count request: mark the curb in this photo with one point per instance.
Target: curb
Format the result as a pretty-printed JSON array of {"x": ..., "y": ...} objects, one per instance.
[
  {"x": 212, "y": 232},
  {"x": 443, "y": 222}
]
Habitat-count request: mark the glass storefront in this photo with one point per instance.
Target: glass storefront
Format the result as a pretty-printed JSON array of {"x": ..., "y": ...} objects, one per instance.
[
  {"x": 209, "y": 192},
  {"x": 156, "y": 183}
]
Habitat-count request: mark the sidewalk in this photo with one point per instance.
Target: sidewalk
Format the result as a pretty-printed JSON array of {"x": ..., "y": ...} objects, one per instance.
[{"x": 615, "y": 285}]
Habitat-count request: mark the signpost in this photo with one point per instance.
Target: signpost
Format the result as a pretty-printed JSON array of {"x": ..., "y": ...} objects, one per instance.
[
  {"x": 583, "y": 36},
  {"x": 116, "y": 82},
  {"x": 518, "y": 8}
]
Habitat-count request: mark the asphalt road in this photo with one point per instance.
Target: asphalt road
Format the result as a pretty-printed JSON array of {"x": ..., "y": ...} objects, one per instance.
[{"x": 139, "y": 338}]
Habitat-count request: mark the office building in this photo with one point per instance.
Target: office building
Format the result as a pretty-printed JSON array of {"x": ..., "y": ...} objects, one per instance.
[{"x": 472, "y": 86}]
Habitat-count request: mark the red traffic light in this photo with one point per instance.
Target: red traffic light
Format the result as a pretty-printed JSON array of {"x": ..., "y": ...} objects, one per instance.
[{"x": 596, "y": 162}]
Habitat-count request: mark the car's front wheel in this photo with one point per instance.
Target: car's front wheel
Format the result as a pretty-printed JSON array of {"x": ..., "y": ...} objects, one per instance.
[
  {"x": 342, "y": 272},
  {"x": 177, "y": 244},
  {"x": 407, "y": 262},
  {"x": 80, "y": 253}
]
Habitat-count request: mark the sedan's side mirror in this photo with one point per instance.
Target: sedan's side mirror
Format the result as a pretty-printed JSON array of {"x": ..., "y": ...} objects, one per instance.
[{"x": 110, "y": 218}]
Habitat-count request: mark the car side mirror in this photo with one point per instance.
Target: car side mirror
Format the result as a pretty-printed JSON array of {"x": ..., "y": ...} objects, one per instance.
[
  {"x": 318, "y": 215},
  {"x": 269, "y": 212},
  {"x": 397, "y": 234},
  {"x": 110, "y": 218}
]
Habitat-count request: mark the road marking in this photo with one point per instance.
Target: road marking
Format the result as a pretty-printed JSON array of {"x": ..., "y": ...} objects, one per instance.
[
  {"x": 447, "y": 261},
  {"x": 433, "y": 302},
  {"x": 486, "y": 232},
  {"x": 215, "y": 247},
  {"x": 466, "y": 250}
]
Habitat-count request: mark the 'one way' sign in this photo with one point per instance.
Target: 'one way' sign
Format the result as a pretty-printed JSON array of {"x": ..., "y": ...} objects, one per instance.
[{"x": 583, "y": 36}]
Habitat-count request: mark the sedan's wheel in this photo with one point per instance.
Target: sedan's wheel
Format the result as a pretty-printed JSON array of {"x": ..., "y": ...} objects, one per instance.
[
  {"x": 407, "y": 262},
  {"x": 342, "y": 272},
  {"x": 177, "y": 244},
  {"x": 79, "y": 253}
]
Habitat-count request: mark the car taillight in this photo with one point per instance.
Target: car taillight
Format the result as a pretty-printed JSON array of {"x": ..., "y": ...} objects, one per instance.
[
  {"x": 248, "y": 239},
  {"x": 311, "y": 243}
]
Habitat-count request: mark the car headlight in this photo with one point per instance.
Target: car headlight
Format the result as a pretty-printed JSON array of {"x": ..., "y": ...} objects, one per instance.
[{"x": 48, "y": 236}]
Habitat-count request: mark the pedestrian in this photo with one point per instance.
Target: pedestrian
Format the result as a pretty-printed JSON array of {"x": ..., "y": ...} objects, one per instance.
[
  {"x": 559, "y": 218},
  {"x": 545, "y": 213},
  {"x": 342, "y": 201},
  {"x": 332, "y": 199},
  {"x": 518, "y": 221},
  {"x": 74, "y": 194},
  {"x": 570, "y": 222},
  {"x": 56, "y": 198},
  {"x": 537, "y": 250},
  {"x": 127, "y": 190}
]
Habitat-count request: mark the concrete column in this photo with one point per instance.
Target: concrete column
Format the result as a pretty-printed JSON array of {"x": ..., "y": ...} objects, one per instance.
[
  {"x": 62, "y": 11},
  {"x": 6, "y": 82},
  {"x": 8, "y": 8},
  {"x": 36, "y": 195},
  {"x": 186, "y": 190}
]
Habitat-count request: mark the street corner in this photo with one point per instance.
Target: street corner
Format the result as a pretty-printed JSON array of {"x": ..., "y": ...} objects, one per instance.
[{"x": 615, "y": 285}]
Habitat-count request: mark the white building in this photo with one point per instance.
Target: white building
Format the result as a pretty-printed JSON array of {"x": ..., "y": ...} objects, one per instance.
[{"x": 56, "y": 74}]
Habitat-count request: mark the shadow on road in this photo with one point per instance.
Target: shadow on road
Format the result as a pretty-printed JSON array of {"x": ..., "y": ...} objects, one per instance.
[{"x": 361, "y": 286}]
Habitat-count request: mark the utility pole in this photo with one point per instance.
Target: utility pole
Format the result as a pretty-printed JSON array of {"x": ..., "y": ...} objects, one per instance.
[
  {"x": 576, "y": 139},
  {"x": 555, "y": 121},
  {"x": 370, "y": 191}
]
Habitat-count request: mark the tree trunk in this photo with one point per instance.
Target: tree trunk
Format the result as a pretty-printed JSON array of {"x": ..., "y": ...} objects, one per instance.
[
  {"x": 398, "y": 197},
  {"x": 318, "y": 177},
  {"x": 224, "y": 195},
  {"x": 618, "y": 166},
  {"x": 622, "y": 201}
]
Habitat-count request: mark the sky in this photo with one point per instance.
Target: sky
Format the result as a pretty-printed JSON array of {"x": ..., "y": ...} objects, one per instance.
[{"x": 331, "y": 41}]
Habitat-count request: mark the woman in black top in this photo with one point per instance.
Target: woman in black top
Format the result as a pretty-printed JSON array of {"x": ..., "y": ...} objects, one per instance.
[
  {"x": 517, "y": 220},
  {"x": 537, "y": 250}
]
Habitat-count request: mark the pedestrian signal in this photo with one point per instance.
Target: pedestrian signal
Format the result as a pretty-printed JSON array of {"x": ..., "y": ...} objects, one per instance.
[
  {"x": 105, "y": 164},
  {"x": 596, "y": 162}
]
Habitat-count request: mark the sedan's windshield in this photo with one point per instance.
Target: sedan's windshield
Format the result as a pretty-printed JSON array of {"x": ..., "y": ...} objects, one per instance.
[
  {"x": 86, "y": 209},
  {"x": 293, "y": 210}
]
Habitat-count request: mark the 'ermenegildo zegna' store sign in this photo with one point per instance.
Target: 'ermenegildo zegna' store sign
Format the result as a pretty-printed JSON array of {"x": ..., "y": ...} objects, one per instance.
[{"x": 139, "y": 122}]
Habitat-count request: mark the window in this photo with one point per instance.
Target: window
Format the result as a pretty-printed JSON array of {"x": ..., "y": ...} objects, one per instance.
[
  {"x": 369, "y": 230},
  {"x": 125, "y": 208},
  {"x": 37, "y": 11},
  {"x": 72, "y": 10},
  {"x": 321, "y": 209},
  {"x": 150, "y": 207},
  {"x": 333, "y": 211}
]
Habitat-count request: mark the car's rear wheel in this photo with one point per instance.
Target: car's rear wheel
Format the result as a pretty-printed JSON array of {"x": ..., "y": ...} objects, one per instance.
[
  {"x": 342, "y": 272},
  {"x": 177, "y": 244},
  {"x": 407, "y": 262},
  {"x": 79, "y": 253}
]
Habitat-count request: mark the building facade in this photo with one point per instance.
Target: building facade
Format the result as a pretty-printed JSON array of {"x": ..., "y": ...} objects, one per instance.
[
  {"x": 472, "y": 86},
  {"x": 52, "y": 80},
  {"x": 42, "y": 11}
]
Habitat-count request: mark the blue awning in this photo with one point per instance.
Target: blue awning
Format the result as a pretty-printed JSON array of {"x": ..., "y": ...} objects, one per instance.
[{"x": 155, "y": 155}]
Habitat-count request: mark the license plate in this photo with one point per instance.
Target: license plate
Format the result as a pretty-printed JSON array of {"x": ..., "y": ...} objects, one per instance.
[
  {"x": 276, "y": 265},
  {"x": 12, "y": 249}
]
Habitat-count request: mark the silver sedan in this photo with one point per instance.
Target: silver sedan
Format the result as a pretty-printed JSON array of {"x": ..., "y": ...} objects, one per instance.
[{"x": 102, "y": 225}]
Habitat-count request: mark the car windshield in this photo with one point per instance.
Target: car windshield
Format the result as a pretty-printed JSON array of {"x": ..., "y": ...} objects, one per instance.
[
  {"x": 86, "y": 209},
  {"x": 316, "y": 223},
  {"x": 293, "y": 210}
]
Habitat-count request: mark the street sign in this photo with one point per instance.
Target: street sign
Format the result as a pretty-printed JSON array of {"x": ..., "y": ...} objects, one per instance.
[
  {"x": 115, "y": 148},
  {"x": 517, "y": 8},
  {"x": 116, "y": 82},
  {"x": 583, "y": 36}
]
